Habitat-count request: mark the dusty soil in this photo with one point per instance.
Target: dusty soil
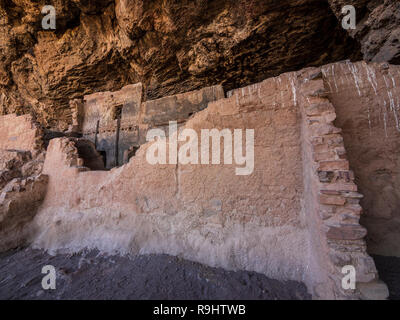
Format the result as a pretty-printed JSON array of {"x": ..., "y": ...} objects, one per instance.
[
  {"x": 389, "y": 272},
  {"x": 91, "y": 275}
]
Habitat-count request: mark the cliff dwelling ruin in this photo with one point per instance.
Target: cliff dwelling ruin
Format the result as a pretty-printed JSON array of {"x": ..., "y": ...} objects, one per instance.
[
  {"x": 77, "y": 105},
  {"x": 117, "y": 122},
  {"x": 295, "y": 218}
]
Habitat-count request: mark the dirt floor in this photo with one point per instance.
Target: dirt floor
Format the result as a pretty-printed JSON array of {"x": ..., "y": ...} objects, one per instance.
[{"x": 91, "y": 275}]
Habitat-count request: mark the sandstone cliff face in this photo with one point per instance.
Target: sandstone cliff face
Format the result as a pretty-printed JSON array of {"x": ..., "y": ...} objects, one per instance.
[
  {"x": 295, "y": 216},
  {"x": 170, "y": 46}
]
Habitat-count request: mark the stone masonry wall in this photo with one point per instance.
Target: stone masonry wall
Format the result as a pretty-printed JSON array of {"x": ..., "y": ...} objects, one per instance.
[
  {"x": 333, "y": 201},
  {"x": 19, "y": 133},
  {"x": 205, "y": 213},
  {"x": 367, "y": 102},
  {"x": 295, "y": 217},
  {"x": 19, "y": 202}
]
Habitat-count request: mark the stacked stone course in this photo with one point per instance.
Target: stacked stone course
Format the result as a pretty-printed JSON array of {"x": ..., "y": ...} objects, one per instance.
[{"x": 336, "y": 193}]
